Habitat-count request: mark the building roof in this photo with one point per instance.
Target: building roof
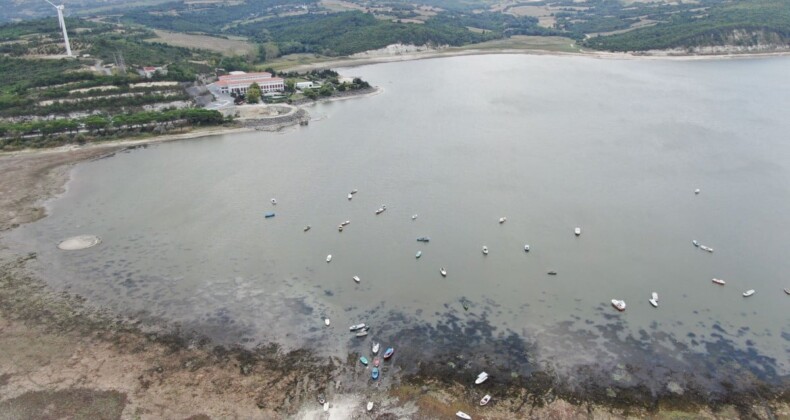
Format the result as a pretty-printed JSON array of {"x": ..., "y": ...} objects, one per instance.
[
  {"x": 149, "y": 68},
  {"x": 235, "y": 75},
  {"x": 249, "y": 82}
]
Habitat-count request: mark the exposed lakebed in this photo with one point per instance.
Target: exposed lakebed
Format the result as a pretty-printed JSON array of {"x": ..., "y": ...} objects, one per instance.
[{"x": 616, "y": 147}]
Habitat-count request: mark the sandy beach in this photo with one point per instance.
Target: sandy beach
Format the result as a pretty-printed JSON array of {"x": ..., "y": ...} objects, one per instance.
[{"x": 63, "y": 358}]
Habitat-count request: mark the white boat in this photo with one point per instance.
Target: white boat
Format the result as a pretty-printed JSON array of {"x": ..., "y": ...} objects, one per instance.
[
  {"x": 653, "y": 302},
  {"x": 696, "y": 191},
  {"x": 526, "y": 248},
  {"x": 577, "y": 231},
  {"x": 482, "y": 377},
  {"x": 414, "y": 217},
  {"x": 370, "y": 405},
  {"x": 443, "y": 271},
  {"x": 485, "y": 400},
  {"x": 502, "y": 220},
  {"x": 326, "y": 406},
  {"x": 362, "y": 333},
  {"x": 329, "y": 258},
  {"x": 354, "y": 191},
  {"x": 356, "y": 327},
  {"x": 695, "y": 243},
  {"x": 346, "y": 223},
  {"x": 350, "y": 196},
  {"x": 274, "y": 201},
  {"x": 654, "y": 295},
  {"x": 485, "y": 250},
  {"x": 326, "y": 322},
  {"x": 376, "y": 347},
  {"x": 748, "y": 293},
  {"x": 463, "y": 415},
  {"x": 380, "y": 210},
  {"x": 356, "y": 279},
  {"x": 787, "y": 291},
  {"x": 418, "y": 254},
  {"x": 719, "y": 281},
  {"x": 618, "y": 304},
  {"x": 706, "y": 248}
]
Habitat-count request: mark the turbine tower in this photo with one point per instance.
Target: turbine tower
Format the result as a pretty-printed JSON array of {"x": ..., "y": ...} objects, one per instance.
[{"x": 62, "y": 26}]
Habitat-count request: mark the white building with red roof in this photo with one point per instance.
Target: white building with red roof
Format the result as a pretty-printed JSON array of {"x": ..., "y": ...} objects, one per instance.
[{"x": 239, "y": 82}]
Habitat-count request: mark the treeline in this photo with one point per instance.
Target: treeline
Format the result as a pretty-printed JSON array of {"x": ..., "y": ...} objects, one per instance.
[
  {"x": 768, "y": 19},
  {"x": 107, "y": 104},
  {"x": 36, "y": 133}
]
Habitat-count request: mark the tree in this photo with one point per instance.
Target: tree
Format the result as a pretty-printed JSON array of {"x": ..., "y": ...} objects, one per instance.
[
  {"x": 254, "y": 93},
  {"x": 290, "y": 86}
]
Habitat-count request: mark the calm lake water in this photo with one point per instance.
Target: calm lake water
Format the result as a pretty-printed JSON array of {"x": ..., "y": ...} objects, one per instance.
[{"x": 615, "y": 147}]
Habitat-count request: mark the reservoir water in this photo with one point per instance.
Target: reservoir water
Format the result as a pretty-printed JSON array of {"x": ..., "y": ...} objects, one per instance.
[{"x": 614, "y": 147}]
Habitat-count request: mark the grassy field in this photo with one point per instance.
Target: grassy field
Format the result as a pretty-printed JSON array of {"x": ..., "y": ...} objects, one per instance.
[
  {"x": 524, "y": 42},
  {"x": 227, "y": 47}
]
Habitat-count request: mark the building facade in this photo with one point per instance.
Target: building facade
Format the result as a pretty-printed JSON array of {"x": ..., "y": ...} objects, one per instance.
[{"x": 239, "y": 82}]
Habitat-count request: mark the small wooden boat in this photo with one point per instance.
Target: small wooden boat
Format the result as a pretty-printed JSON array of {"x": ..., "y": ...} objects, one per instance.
[
  {"x": 326, "y": 322},
  {"x": 364, "y": 360},
  {"x": 370, "y": 405},
  {"x": 268, "y": 215},
  {"x": 577, "y": 231},
  {"x": 526, "y": 248},
  {"x": 485, "y": 400},
  {"x": 696, "y": 191},
  {"x": 653, "y": 302},
  {"x": 381, "y": 209},
  {"x": 695, "y": 243},
  {"x": 787, "y": 291},
  {"x": 356, "y": 279},
  {"x": 485, "y": 250},
  {"x": 463, "y": 415},
  {"x": 346, "y": 223},
  {"x": 418, "y": 254},
  {"x": 321, "y": 399},
  {"x": 329, "y": 258},
  {"x": 748, "y": 293},
  {"x": 423, "y": 239},
  {"x": 306, "y": 228},
  {"x": 376, "y": 361},
  {"x": 374, "y": 374},
  {"x": 706, "y": 248},
  {"x": 388, "y": 353},
  {"x": 274, "y": 201},
  {"x": 719, "y": 281},
  {"x": 443, "y": 272},
  {"x": 375, "y": 348},
  {"x": 350, "y": 196},
  {"x": 502, "y": 220},
  {"x": 414, "y": 217},
  {"x": 326, "y": 406},
  {"x": 482, "y": 377},
  {"x": 354, "y": 191},
  {"x": 339, "y": 228},
  {"x": 552, "y": 273},
  {"x": 356, "y": 327},
  {"x": 618, "y": 304},
  {"x": 362, "y": 333}
]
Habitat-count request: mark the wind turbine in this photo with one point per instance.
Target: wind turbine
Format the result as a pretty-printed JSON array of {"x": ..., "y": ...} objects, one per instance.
[{"x": 62, "y": 26}]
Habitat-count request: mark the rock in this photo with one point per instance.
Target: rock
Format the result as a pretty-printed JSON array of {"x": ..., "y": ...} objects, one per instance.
[
  {"x": 675, "y": 388},
  {"x": 424, "y": 389},
  {"x": 246, "y": 369}
]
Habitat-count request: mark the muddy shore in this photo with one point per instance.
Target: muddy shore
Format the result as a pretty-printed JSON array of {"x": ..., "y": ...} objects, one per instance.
[{"x": 64, "y": 358}]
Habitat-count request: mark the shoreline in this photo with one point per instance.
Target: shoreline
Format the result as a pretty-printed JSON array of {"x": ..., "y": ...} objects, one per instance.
[
  {"x": 350, "y": 62},
  {"x": 56, "y": 344}
]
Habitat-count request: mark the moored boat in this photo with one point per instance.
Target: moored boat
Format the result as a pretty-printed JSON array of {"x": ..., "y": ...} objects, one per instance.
[
  {"x": 356, "y": 279},
  {"x": 326, "y": 406},
  {"x": 526, "y": 248},
  {"x": 577, "y": 231},
  {"x": 463, "y": 415},
  {"x": 443, "y": 272},
  {"x": 748, "y": 293},
  {"x": 329, "y": 258},
  {"x": 695, "y": 243},
  {"x": 339, "y": 228},
  {"x": 350, "y": 196},
  {"x": 485, "y": 400},
  {"x": 321, "y": 399},
  {"x": 354, "y": 191},
  {"x": 787, "y": 291},
  {"x": 696, "y": 191},
  {"x": 414, "y": 217},
  {"x": 485, "y": 250},
  {"x": 618, "y": 304},
  {"x": 502, "y": 220},
  {"x": 370, "y": 405},
  {"x": 376, "y": 361},
  {"x": 381, "y": 209},
  {"x": 653, "y": 302},
  {"x": 719, "y": 281},
  {"x": 362, "y": 333},
  {"x": 418, "y": 254},
  {"x": 268, "y": 215},
  {"x": 274, "y": 201},
  {"x": 374, "y": 374},
  {"x": 388, "y": 353},
  {"x": 482, "y": 377},
  {"x": 654, "y": 295},
  {"x": 375, "y": 348},
  {"x": 346, "y": 223},
  {"x": 706, "y": 248},
  {"x": 306, "y": 228},
  {"x": 364, "y": 360},
  {"x": 356, "y": 327},
  {"x": 423, "y": 239},
  {"x": 552, "y": 273},
  {"x": 326, "y": 322}
]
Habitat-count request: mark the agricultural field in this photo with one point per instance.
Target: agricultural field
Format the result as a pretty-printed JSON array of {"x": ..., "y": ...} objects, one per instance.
[{"x": 224, "y": 46}]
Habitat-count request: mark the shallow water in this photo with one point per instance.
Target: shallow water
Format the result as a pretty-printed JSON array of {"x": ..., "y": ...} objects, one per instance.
[{"x": 615, "y": 147}]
